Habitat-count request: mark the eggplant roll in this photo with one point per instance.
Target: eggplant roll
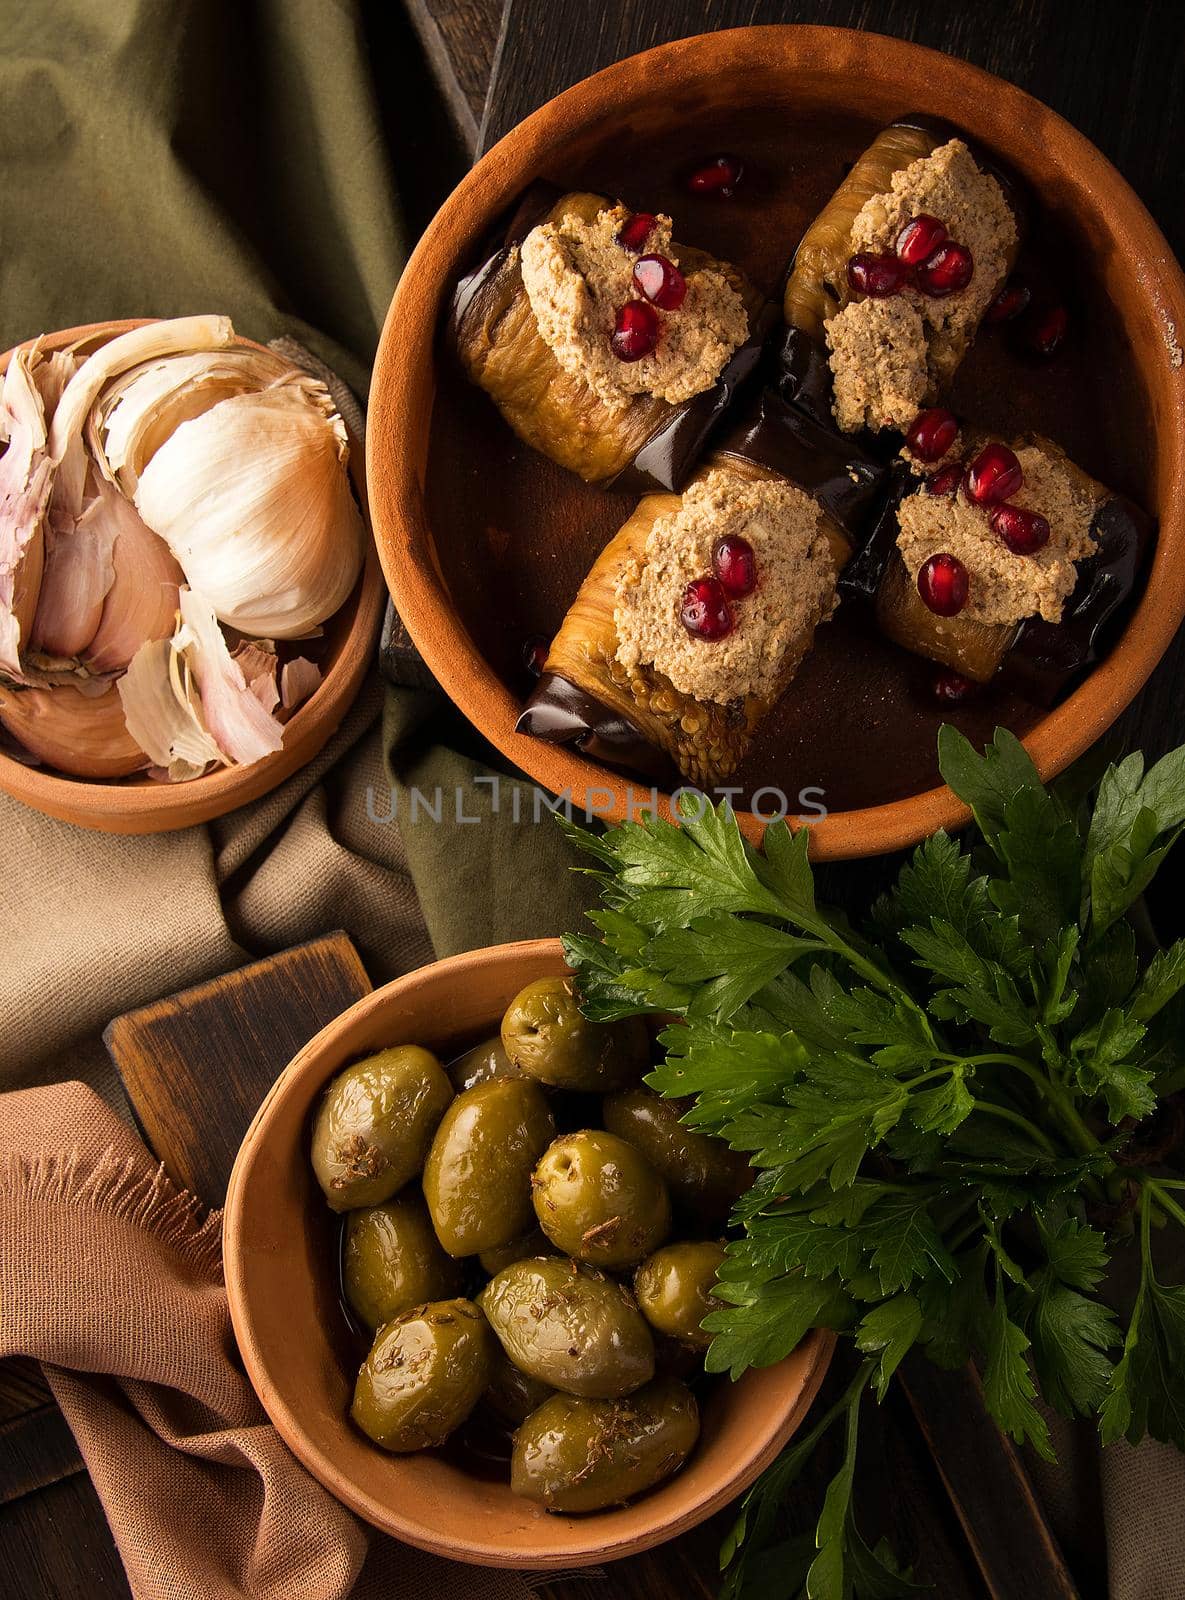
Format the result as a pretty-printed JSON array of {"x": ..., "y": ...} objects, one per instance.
[
  {"x": 534, "y": 326},
  {"x": 1046, "y": 592},
  {"x": 629, "y": 680},
  {"x": 893, "y": 277}
]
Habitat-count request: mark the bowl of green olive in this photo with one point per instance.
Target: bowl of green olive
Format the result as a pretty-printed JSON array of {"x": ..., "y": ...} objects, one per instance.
[{"x": 468, "y": 1254}]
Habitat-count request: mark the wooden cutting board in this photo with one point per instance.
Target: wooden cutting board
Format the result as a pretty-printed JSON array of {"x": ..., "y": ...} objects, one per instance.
[{"x": 942, "y": 1481}]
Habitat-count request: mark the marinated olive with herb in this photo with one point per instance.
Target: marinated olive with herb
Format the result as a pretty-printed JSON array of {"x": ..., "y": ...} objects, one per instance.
[
  {"x": 375, "y": 1124},
  {"x": 513, "y": 1394},
  {"x": 392, "y": 1260},
  {"x": 477, "y": 1176},
  {"x": 570, "y": 1327},
  {"x": 599, "y": 1200},
  {"x": 674, "y": 1286},
  {"x": 583, "y": 1455},
  {"x": 524, "y": 1245},
  {"x": 704, "y": 1176},
  {"x": 547, "y": 1037},
  {"x": 485, "y": 1061},
  {"x": 425, "y": 1373}
]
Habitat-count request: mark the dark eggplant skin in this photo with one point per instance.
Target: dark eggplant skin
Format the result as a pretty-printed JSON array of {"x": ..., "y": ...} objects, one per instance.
[
  {"x": 1049, "y": 658},
  {"x": 846, "y": 481},
  {"x": 1046, "y": 659},
  {"x": 561, "y": 713},
  {"x": 671, "y": 453}
]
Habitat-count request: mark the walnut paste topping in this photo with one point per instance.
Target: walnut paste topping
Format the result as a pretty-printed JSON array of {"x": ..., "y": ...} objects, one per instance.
[
  {"x": 1005, "y": 588},
  {"x": 773, "y": 626},
  {"x": 577, "y": 277},
  {"x": 881, "y": 355}
]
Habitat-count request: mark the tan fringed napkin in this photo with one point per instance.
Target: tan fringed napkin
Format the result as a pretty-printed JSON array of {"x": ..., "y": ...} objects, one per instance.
[{"x": 111, "y": 1277}]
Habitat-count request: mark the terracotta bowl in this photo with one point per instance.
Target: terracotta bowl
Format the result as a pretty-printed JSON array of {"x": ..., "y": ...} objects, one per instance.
[
  {"x": 140, "y": 805},
  {"x": 282, "y": 1283},
  {"x": 483, "y": 541}
]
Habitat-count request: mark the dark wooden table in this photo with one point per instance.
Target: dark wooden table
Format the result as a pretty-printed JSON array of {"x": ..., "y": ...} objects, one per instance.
[{"x": 471, "y": 69}]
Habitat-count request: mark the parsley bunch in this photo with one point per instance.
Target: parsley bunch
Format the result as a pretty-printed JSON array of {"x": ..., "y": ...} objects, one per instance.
[{"x": 956, "y": 1111}]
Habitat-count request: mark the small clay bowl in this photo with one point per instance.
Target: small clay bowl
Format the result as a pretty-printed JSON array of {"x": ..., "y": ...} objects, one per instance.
[
  {"x": 138, "y": 804},
  {"x": 281, "y": 1279},
  {"x": 484, "y": 542}
]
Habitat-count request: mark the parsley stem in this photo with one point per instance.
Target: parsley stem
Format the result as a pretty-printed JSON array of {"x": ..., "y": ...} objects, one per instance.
[
  {"x": 991, "y": 1109},
  {"x": 1075, "y": 1128},
  {"x": 1166, "y": 1202}
]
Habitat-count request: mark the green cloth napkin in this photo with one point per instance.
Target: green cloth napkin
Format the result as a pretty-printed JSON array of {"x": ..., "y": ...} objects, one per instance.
[{"x": 162, "y": 157}]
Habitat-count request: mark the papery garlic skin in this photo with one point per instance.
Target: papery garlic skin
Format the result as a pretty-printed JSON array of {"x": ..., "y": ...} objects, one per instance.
[
  {"x": 26, "y": 478},
  {"x": 235, "y": 717},
  {"x": 84, "y": 735},
  {"x": 161, "y": 718},
  {"x": 253, "y": 499}
]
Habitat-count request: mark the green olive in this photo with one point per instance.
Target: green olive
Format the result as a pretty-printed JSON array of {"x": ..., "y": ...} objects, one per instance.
[
  {"x": 584, "y": 1455},
  {"x": 674, "y": 1289},
  {"x": 704, "y": 1176},
  {"x": 426, "y": 1371},
  {"x": 599, "y": 1200},
  {"x": 570, "y": 1327},
  {"x": 532, "y": 1243},
  {"x": 477, "y": 1179},
  {"x": 546, "y": 1036},
  {"x": 375, "y": 1124},
  {"x": 513, "y": 1394},
  {"x": 485, "y": 1061},
  {"x": 392, "y": 1260}
]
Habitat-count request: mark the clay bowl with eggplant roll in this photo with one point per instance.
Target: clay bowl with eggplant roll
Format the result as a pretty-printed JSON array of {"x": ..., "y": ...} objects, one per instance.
[{"x": 486, "y": 542}]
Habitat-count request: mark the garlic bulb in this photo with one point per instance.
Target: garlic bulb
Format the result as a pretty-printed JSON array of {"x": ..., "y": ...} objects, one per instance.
[
  {"x": 82, "y": 734},
  {"x": 253, "y": 499}
]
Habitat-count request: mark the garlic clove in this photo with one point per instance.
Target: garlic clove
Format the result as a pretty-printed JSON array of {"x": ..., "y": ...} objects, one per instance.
[
  {"x": 81, "y": 734},
  {"x": 141, "y": 603},
  {"x": 299, "y": 681},
  {"x": 241, "y": 726},
  {"x": 79, "y": 572},
  {"x": 253, "y": 499}
]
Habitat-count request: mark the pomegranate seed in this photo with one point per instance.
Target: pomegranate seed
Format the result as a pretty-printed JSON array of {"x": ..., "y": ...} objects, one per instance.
[
  {"x": 735, "y": 564},
  {"x": 946, "y": 481},
  {"x": 1049, "y": 330},
  {"x": 535, "y": 651},
  {"x": 632, "y": 235},
  {"x": 636, "y": 332},
  {"x": 1024, "y": 532},
  {"x": 719, "y": 176},
  {"x": 993, "y": 476},
  {"x": 1009, "y": 303},
  {"x": 877, "y": 276},
  {"x": 920, "y": 238},
  {"x": 704, "y": 611},
  {"x": 949, "y": 269},
  {"x": 943, "y": 585},
  {"x": 931, "y": 433},
  {"x": 660, "y": 281},
  {"x": 951, "y": 688}
]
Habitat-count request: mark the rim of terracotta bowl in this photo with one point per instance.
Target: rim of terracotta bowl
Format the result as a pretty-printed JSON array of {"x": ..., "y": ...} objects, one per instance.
[
  {"x": 924, "y": 80},
  {"x": 785, "y": 1391},
  {"x": 136, "y": 804}
]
